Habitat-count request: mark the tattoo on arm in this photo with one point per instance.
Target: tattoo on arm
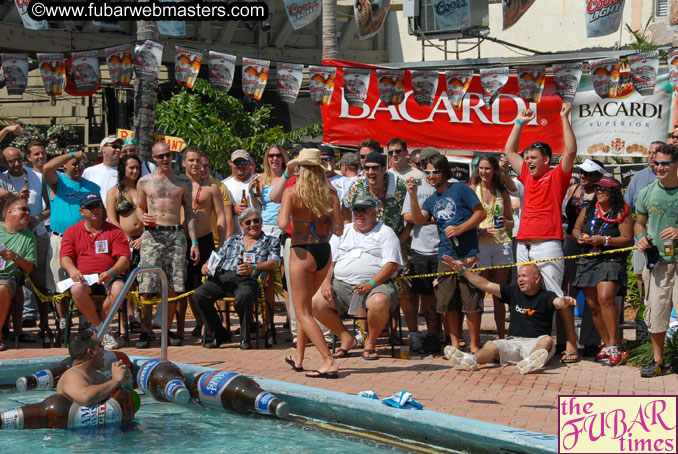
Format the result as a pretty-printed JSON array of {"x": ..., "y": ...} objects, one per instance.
[{"x": 191, "y": 219}]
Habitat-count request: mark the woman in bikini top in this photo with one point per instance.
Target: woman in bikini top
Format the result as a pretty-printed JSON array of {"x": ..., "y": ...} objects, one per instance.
[{"x": 313, "y": 209}]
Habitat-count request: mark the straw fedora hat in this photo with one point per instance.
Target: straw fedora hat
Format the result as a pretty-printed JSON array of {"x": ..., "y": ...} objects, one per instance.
[{"x": 309, "y": 157}]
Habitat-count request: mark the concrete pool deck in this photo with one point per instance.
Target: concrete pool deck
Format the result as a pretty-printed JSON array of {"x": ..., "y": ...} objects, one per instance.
[{"x": 492, "y": 394}]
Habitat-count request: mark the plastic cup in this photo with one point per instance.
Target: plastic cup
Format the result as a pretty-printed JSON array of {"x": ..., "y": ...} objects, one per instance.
[{"x": 404, "y": 352}]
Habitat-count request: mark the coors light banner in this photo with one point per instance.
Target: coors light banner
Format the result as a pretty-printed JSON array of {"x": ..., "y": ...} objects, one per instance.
[
  {"x": 473, "y": 126},
  {"x": 603, "y": 17},
  {"x": 302, "y": 12},
  {"x": 452, "y": 15},
  {"x": 621, "y": 126}
]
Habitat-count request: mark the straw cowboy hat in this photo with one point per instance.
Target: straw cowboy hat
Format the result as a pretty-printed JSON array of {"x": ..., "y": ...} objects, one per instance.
[{"x": 309, "y": 157}]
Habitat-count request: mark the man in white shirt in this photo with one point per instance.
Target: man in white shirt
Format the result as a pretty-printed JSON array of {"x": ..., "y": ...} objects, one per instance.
[
  {"x": 106, "y": 173},
  {"x": 238, "y": 184},
  {"x": 336, "y": 180},
  {"x": 365, "y": 259},
  {"x": 397, "y": 154}
]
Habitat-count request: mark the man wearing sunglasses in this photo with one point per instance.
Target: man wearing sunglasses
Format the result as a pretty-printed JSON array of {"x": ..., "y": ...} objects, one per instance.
[
  {"x": 656, "y": 225},
  {"x": 238, "y": 184},
  {"x": 541, "y": 226},
  {"x": 336, "y": 180},
  {"x": 366, "y": 147},
  {"x": 160, "y": 198},
  {"x": 397, "y": 154},
  {"x": 66, "y": 191},
  {"x": 106, "y": 173}
]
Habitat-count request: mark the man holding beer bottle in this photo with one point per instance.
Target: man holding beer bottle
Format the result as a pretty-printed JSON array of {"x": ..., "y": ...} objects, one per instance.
[{"x": 238, "y": 184}]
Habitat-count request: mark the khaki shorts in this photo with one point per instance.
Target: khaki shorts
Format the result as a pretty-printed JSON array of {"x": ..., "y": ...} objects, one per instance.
[
  {"x": 166, "y": 250},
  {"x": 405, "y": 285},
  {"x": 455, "y": 293},
  {"x": 57, "y": 273},
  {"x": 10, "y": 283},
  {"x": 343, "y": 293},
  {"x": 661, "y": 294},
  {"x": 514, "y": 349}
]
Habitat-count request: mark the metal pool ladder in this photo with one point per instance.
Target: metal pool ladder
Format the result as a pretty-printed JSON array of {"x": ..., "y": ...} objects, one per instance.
[{"x": 123, "y": 293}]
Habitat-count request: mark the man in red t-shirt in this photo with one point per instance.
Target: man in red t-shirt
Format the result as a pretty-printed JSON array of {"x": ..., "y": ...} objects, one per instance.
[
  {"x": 541, "y": 227},
  {"x": 95, "y": 246}
]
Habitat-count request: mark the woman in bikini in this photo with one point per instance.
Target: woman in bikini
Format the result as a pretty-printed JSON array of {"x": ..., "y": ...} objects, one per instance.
[
  {"x": 121, "y": 211},
  {"x": 312, "y": 206}
]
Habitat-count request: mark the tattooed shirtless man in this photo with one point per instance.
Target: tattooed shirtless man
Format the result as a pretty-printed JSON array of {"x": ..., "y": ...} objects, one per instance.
[{"x": 160, "y": 196}]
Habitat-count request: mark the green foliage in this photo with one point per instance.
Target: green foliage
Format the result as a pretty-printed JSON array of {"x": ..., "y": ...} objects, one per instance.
[
  {"x": 644, "y": 41},
  {"x": 632, "y": 295},
  {"x": 217, "y": 123},
  {"x": 57, "y": 138},
  {"x": 641, "y": 354}
]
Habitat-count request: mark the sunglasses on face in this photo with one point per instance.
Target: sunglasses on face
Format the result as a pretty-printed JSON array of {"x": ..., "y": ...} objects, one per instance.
[
  {"x": 275, "y": 156},
  {"x": 93, "y": 206},
  {"x": 12, "y": 161},
  {"x": 163, "y": 156},
  {"x": 663, "y": 163},
  {"x": 240, "y": 163},
  {"x": 602, "y": 189},
  {"x": 590, "y": 174},
  {"x": 372, "y": 168},
  {"x": 326, "y": 158},
  {"x": 24, "y": 209},
  {"x": 391, "y": 152},
  {"x": 360, "y": 210},
  {"x": 363, "y": 157},
  {"x": 251, "y": 221},
  {"x": 432, "y": 172},
  {"x": 673, "y": 136},
  {"x": 116, "y": 147}
]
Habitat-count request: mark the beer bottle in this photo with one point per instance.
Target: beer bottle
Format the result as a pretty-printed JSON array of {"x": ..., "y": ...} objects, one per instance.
[
  {"x": 163, "y": 380},
  {"x": 58, "y": 412},
  {"x": 243, "y": 200},
  {"x": 237, "y": 393},
  {"x": 48, "y": 378}
]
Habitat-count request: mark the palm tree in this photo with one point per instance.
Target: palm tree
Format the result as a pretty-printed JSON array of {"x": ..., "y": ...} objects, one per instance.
[
  {"x": 145, "y": 94},
  {"x": 330, "y": 47}
]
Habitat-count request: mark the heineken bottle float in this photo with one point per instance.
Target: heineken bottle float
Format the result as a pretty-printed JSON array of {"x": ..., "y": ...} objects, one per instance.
[
  {"x": 58, "y": 412},
  {"x": 163, "y": 380},
  {"x": 48, "y": 378},
  {"x": 235, "y": 392}
]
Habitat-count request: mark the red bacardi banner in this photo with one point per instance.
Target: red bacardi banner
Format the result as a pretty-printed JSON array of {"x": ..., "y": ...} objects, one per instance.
[{"x": 471, "y": 127}]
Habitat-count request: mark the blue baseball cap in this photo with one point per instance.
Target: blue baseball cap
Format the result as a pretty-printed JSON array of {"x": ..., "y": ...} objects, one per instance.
[{"x": 89, "y": 198}]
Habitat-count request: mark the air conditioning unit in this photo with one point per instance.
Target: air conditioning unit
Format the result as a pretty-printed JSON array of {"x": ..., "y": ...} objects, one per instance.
[{"x": 448, "y": 18}]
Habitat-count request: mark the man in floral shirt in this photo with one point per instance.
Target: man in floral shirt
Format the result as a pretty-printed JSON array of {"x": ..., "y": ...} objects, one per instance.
[{"x": 388, "y": 190}]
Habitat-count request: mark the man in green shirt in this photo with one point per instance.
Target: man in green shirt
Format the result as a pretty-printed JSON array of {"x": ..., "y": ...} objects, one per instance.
[{"x": 656, "y": 221}]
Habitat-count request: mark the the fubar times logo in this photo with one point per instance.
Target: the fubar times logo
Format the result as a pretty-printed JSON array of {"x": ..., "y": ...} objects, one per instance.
[{"x": 617, "y": 424}]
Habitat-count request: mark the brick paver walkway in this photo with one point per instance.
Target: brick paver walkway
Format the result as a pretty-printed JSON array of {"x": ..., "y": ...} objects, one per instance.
[{"x": 492, "y": 394}]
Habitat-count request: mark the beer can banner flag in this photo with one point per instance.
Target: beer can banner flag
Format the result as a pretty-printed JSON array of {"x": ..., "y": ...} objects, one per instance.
[
  {"x": 457, "y": 85},
  {"x": 603, "y": 17},
  {"x": 221, "y": 69},
  {"x": 605, "y": 76},
  {"x": 321, "y": 84},
  {"x": 302, "y": 12},
  {"x": 85, "y": 71},
  {"x": 356, "y": 84},
  {"x": 290, "y": 76},
  {"x": 147, "y": 59},
  {"x": 424, "y": 86},
  {"x": 492, "y": 81},
  {"x": 15, "y": 68},
  {"x": 625, "y": 126},
  {"x": 566, "y": 77},
  {"x": 391, "y": 84},
  {"x": 120, "y": 66},
  {"x": 187, "y": 65},
  {"x": 531, "y": 82},
  {"x": 453, "y": 15},
  {"x": 644, "y": 68},
  {"x": 53, "y": 71},
  {"x": 370, "y": 16},
  {"x": 512, "y": 11},
  {"x": 28, "y": 21},
  {"x": 254, "y": 77}
]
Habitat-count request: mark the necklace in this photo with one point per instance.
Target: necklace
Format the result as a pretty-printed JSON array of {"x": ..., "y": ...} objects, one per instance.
[
  {"x": 197, "y": 194},
  {"x": 599, "y": 213},
  {"x": 381, "y": 200}
]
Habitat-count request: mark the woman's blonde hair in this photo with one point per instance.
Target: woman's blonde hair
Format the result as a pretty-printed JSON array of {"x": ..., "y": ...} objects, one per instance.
[
  {"x": 268, "y": 173},
  {"x": 313, "y": 190}
]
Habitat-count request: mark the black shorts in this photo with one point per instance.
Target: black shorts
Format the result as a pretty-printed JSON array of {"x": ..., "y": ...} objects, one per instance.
[
  {"x": 193, "y": 273},
  {"x": 423, "y": 264},
  {"x": 100, "y": 289}
]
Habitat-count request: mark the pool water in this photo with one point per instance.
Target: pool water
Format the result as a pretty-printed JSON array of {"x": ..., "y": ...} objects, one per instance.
[{"x": 165, "y": 427}]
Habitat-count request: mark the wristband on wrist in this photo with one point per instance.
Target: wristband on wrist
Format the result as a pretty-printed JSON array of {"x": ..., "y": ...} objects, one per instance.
[
  {"x": 640, "y": 236},
  {"x": 112, "y": 273},
  {"x": 72, "y": 155},
  {"x": 254, "y": 267},
  {"x": 463, "y": 270},
  {"x": 194, "y": 243},
  {"x": 520, "y": 122},
  {"x": 285, "y": 175},
  {"x": 607, "y": 241},
  {"x": 373, "y": 283}
]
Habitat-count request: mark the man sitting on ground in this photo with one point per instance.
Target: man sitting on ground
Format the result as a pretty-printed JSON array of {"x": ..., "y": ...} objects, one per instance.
[
  {"x": 529, "y": 344},
  {"x": 95, "y": 246},
  {"x": 364, "y": 261},
  {"x": 83, "y": 383}
]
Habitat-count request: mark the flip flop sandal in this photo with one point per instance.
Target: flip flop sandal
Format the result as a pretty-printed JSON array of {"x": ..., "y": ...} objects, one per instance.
[
  {"x": 569, "y": 357},
  {"x": 370, "y": 355},
  {"x": 342, "y": 353},
  {"x": 318, "y": 374}
]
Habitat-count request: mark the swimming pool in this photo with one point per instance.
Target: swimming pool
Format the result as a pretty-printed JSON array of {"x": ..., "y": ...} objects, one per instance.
[{"x": 436, "y": 429}]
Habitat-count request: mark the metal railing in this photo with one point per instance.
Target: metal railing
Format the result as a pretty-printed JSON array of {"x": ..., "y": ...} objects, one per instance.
[{"x": 123, "y": 293}]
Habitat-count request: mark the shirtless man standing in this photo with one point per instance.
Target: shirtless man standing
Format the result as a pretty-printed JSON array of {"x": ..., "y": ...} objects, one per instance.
[
  {"x": 163, "y": 242},
  {"x": 206, "y": 199}
]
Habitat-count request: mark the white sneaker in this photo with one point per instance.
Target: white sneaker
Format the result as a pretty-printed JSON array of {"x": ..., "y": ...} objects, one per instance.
[
  {"x": 111, "y": 343},
  {"x": 465, "y": 360},
  {"x": 535, "y": 361}
]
